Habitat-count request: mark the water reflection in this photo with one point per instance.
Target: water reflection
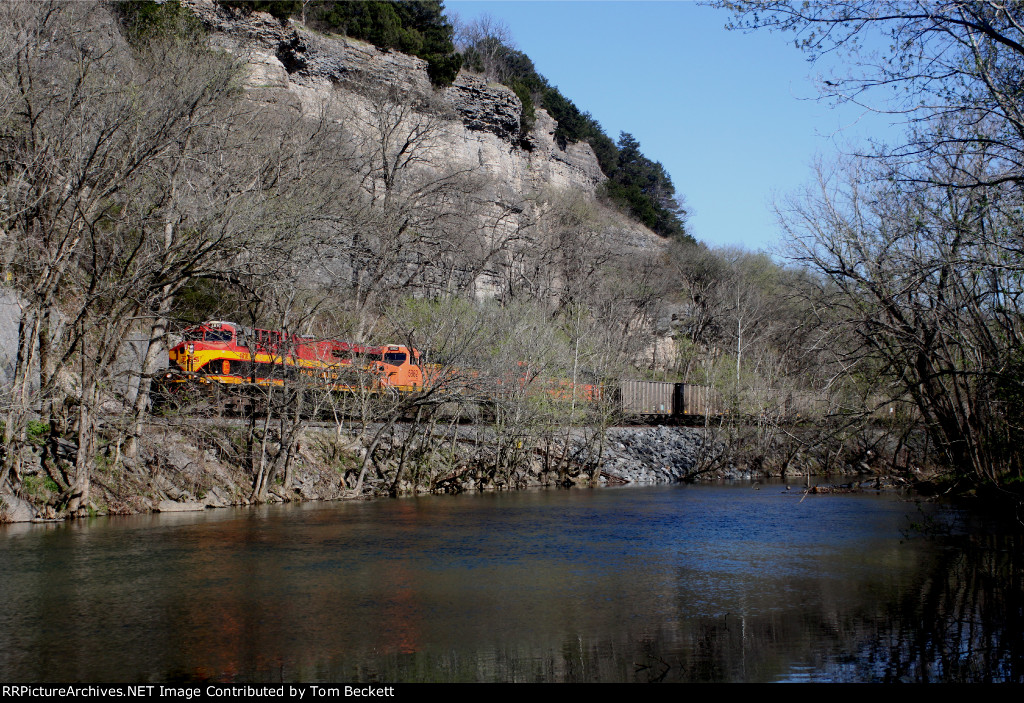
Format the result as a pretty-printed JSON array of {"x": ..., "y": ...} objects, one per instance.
[
  {"x": 964, "y": 623},
  {"x": 663, "y": 584}
]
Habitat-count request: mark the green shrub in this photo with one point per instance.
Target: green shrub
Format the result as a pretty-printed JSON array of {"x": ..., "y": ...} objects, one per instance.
[
  {"x": 37, "y": 431},
  {"x": 146, "y": 19},
  {"x": 36, "y": 485},
  {"x": 529, "y": 116}
]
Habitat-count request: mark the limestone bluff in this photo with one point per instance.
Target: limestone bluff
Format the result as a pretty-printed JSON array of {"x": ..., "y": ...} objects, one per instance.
[{"x": 303, "y": 68}]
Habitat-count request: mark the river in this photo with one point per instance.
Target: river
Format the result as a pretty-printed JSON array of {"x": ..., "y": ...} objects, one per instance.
[{"x": 671, "y": 583}]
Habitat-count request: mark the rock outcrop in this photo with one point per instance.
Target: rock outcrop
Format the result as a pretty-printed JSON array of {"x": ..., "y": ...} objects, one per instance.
[{"x": 483, "y": 118}]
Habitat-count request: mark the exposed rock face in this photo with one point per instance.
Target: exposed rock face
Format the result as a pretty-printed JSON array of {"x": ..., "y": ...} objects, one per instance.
[
  {"x": 485, "y": 108},
  {"x": 484, "y": 117},
  {"x": 474, "y": 130},
  {"x": 654, "y": 455}
]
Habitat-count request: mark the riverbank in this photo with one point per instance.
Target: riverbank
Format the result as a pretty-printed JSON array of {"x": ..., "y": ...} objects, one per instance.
[{"x": 196, "y": 466}]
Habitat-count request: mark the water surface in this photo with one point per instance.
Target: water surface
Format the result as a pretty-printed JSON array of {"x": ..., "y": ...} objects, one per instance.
[{"x": 725, "y": 583}]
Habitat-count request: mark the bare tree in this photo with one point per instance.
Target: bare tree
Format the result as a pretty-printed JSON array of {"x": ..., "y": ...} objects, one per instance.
[
  {"x": 922, "y": 277},
  {"x": 86, "y": 123},
  {"x": 414, "y": 205},
  {"x": 486, "y": 41},
  {"x": 134, "y": 170}
]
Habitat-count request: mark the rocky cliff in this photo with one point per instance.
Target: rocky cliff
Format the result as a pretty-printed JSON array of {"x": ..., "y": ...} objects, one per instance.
[{"x": 482, "y": 119}]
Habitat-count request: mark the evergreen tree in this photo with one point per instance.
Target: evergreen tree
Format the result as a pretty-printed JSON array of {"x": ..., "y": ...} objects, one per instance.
[{"x": 644, "y": 189}]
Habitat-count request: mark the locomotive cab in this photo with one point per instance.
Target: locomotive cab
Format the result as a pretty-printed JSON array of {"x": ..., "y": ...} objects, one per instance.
[
  {"x": 204, "y": 348},
  {"x": 400, "y": 368}
]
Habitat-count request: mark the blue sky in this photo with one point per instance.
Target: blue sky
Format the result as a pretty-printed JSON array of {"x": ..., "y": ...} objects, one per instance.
[{"x": 732, "y": 116}]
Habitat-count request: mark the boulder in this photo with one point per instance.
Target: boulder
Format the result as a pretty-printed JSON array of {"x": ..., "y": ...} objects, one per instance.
[{"x": 14, "y": 509}]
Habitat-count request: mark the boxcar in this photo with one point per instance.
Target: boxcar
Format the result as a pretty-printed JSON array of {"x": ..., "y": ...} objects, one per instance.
[
  {"x": 666, "y": 399},
  {"x": 647, "y": 398}
]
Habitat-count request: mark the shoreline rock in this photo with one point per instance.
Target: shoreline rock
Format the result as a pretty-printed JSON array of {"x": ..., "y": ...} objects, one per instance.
[{"x": 184, "y": 468}]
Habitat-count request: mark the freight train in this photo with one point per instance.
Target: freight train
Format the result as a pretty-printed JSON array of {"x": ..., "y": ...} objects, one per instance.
[
  {"x": 218, "y": 356},
  {"x": 228, "y": 354}
]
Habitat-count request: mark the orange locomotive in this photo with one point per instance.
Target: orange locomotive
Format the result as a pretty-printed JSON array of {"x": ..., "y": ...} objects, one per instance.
[{"x": 228, "y": 353}]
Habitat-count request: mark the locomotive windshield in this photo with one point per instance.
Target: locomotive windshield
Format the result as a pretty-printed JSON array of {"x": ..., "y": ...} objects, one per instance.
[
  {"x": 197, "y": 334},
  {"x": 396, "y": 358}
]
